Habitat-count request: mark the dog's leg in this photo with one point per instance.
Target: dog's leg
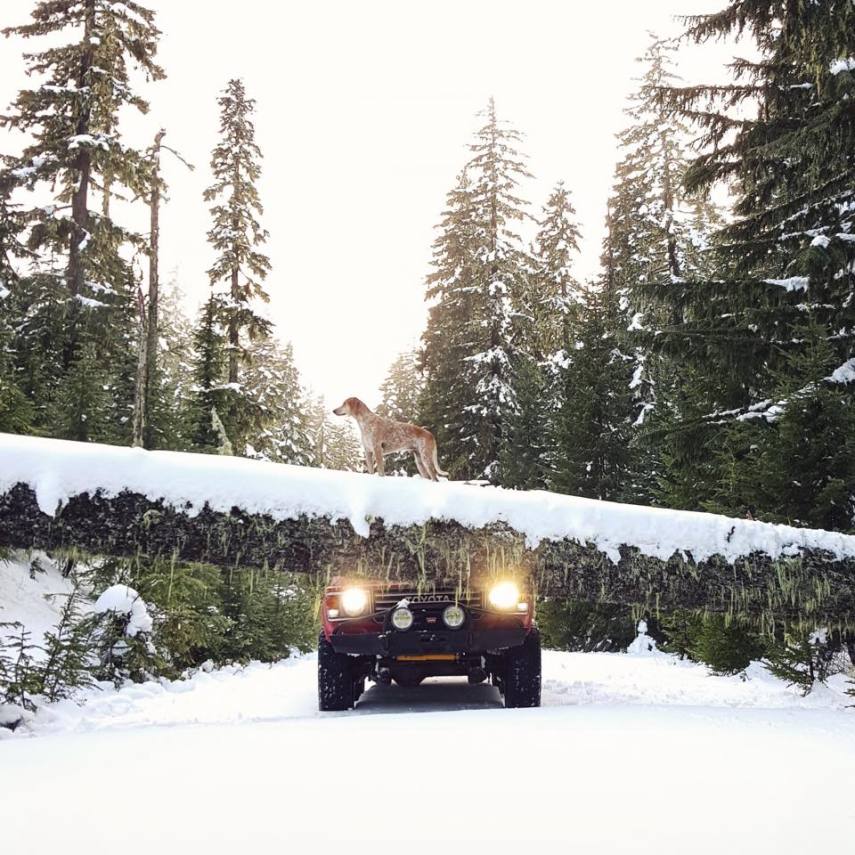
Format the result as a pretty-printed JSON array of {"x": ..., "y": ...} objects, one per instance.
[
  {"x": 369, "y": 461},
  {"x": 426, "y": 463},
  {"x": 421, "y": 467},
  {"x": 378, "y": 458}
]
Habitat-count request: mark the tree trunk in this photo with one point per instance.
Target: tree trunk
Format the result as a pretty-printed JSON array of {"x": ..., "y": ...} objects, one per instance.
[
  {"x": 152, "y": 325},
  {"x": 812, "y": 587},
  {"x": 83, "y": 166},
  {"x": 140, "y": 383}
]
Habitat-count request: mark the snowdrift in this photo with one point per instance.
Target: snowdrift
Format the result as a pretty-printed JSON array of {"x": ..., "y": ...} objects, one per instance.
[{"x": 116, "y": 500}]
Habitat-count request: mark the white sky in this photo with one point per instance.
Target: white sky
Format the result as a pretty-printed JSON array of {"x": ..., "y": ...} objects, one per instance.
[{"x": 364, "y": 112}]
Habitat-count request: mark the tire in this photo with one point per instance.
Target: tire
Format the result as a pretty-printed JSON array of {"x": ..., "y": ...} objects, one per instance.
[
  {"x": 336, "y": 681},
  {"x": 521, "y": 681}
]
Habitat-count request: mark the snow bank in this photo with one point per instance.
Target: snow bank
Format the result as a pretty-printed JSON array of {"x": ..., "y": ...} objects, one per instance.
[
  {"x": 34, "y": 600},
  {"x": 57, "y": 470},
  {"x": 126, "y": 601}
]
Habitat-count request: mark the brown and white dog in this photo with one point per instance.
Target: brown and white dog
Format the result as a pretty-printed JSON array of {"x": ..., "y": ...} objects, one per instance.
[{"x": 381, "y": 436}]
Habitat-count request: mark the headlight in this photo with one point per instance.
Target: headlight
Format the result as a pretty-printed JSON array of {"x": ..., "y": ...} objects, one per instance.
[
  {"x": 504, "y": 595},
  {"x": 354, "y": 601},
  {"x": 402, "y": 618},
  {"x": 453, "y": 617}
]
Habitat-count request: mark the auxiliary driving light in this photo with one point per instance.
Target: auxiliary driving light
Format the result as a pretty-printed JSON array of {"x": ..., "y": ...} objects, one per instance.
[
  {"x": 402, "y": 618},
  {"x": 504, "y": 595},
  {"x": 354, "y": 601},
  {"x": 453, "y": 616}
]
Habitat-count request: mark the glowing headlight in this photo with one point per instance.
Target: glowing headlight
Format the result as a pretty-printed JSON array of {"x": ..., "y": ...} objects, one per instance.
[
  {"x": 354, "y": 601},
  {"x": 453, "y": 616},
  {"x": 402, "y": 618},
  {"x": 504, "y": 595}
]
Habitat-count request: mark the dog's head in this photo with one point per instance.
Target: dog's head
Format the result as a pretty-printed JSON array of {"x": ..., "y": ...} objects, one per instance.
[{"x": 351, "y": 407}]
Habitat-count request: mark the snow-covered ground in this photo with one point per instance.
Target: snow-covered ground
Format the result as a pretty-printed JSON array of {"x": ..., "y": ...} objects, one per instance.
[{"x": 629, "y": 754}]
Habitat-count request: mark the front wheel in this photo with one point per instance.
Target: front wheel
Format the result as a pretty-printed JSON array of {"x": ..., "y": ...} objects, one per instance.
[
  {"x": 521, "y": 680},
  {"x": 336, "y": 681}
]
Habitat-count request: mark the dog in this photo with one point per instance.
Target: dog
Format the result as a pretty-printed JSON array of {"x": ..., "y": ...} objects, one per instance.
[{"x": 381, "y": 436}]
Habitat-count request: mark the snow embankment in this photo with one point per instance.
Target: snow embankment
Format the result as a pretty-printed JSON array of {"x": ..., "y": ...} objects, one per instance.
[
  {"x": 33, "y": 594},
  {"x": 57, "y": 470}
]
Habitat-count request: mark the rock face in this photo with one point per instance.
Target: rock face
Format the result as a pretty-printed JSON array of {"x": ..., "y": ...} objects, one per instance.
[{"x": 814, "y": 585}]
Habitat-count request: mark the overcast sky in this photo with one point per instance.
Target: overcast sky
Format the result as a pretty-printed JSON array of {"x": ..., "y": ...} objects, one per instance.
[{"x": 364, "y": 112}]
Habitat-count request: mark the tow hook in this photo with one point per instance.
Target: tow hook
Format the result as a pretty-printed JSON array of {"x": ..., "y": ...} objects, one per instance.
[{"x": 476, "y": 675}]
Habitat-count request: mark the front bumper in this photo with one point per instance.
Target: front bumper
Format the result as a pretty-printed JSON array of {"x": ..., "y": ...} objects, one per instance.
[{"x": 392, "y": 642}]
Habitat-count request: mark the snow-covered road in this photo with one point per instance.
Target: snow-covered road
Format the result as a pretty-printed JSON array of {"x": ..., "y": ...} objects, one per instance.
[{"x": 629, "y": 754}]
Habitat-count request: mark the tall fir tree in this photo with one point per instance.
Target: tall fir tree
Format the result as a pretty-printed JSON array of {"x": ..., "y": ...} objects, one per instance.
[
  {"x": 590, "y": 430},
  {"x": 656, "y": 232},
  {"x": 479, "y": 284},
  {"x": 74, "y": 151},
  {"x": 777, "y": 318},
  {"x": 401, "y": 390},
  {"x": 335, "y": 444},
  {"x": 236, "y": 236},
  {"x": 208, "y": 396},
  {"x": 555, "y": 291},
  {"x": 556, "y": 306},
  {"x": 272, "y": 383}
]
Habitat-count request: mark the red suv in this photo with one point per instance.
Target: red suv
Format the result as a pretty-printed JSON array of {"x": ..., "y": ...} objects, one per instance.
[{"x": 384, "y": 631}]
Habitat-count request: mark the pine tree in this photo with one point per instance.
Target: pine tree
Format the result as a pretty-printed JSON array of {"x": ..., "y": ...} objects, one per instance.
[
  {"x": 15, "y": 410},
  {"x": 334, "y": 441},
  {"x": 68, "y": 649},
  {"x": 525, "y": 451},
  {"x": 785, "y": 263},
  {"x": 208, "y": 395},
  {"x": 480, "y": 286},
  {"x": 19, "y": 678},
  {"x": 236, "y": 235},
  {"x": 74, "y": 151},
  {"x": 272, "y": 384},
  {"x": 171, "y": 391},
  {"x": 402, "y": 388},
  {"x": 555, "y": 312},
  {"x": 83, "y": 403},
  {"x": 655, "y": 234},
  {"x": 554, "y": 291},
  {"x": 448, "y": 340},
  {"x": 591, "y": 428}
]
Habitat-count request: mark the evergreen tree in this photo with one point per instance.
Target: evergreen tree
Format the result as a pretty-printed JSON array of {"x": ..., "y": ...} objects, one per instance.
[
  {"x": 236, "y": 235},
  {"x": 15, "y": 410},
  {"x": 777, "y": 318},
  {"x": 208, "y": 395},
  {"x": 68, "y": 650},
  {"x": 74, "y": 151},
  {"x": 402, "y": 388},
  {"x": 480, "y": 287},
  {"x": 591, "y": 427},
  {"x": 449, "y": 338},
  {"x": 655, "y": 234},
  {"x": 555, "y": 311},
  {"x": 525, "y": 451},
  {"x": 171, "y": 386},
  {"x": 554, "y": 291},
  {"x": 334, "y": 441},
  {"x": 83, "y": 402},
  {"x": 272, "y": 384}
]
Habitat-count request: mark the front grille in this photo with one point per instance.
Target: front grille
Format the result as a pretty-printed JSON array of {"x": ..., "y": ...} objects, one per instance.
[{"x": 426, "y": 600}]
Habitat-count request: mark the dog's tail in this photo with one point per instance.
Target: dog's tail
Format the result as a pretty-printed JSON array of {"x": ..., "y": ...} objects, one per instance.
[{"x": 436, "y": 463}]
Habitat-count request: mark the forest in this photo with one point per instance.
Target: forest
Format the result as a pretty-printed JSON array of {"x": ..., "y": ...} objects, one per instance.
[{"x": 709, "y": 366}]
